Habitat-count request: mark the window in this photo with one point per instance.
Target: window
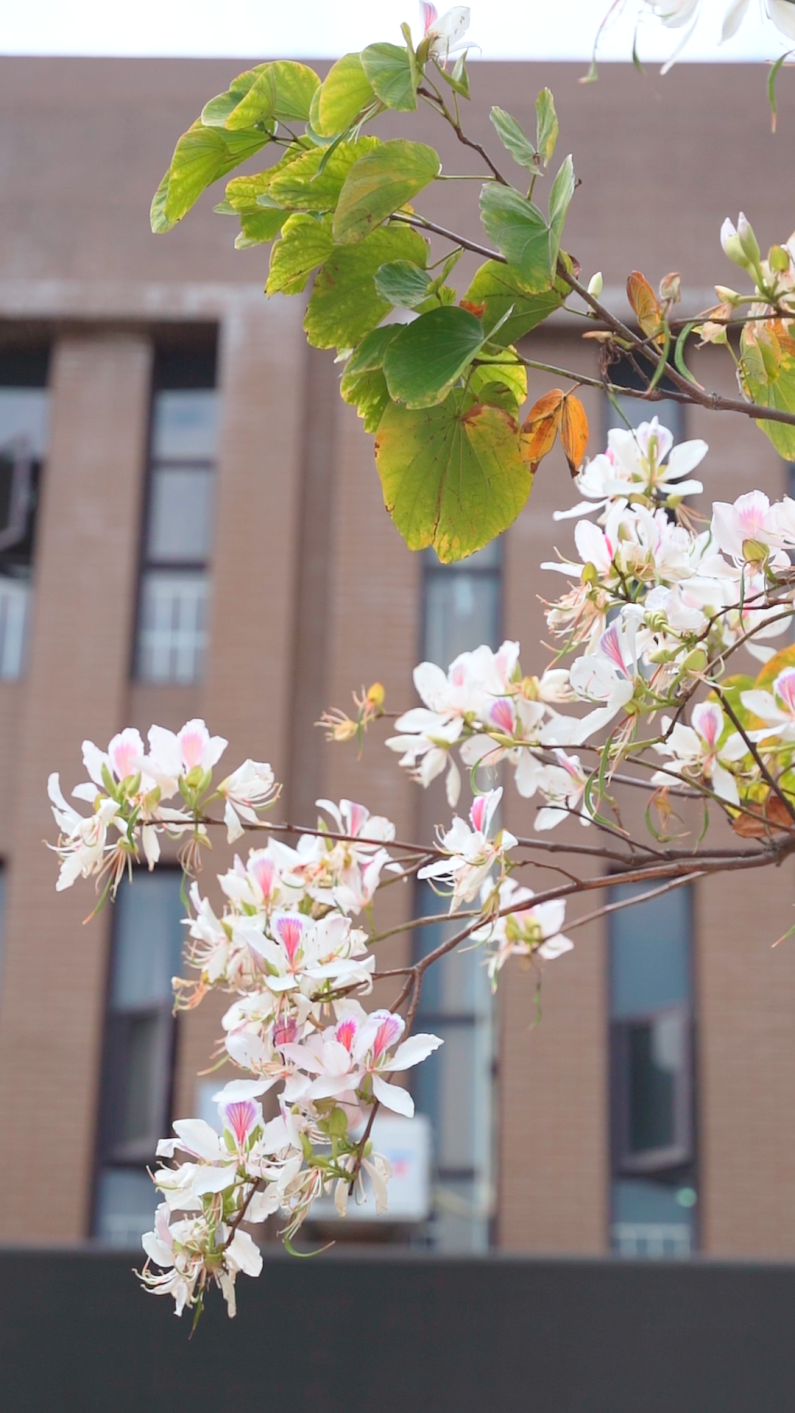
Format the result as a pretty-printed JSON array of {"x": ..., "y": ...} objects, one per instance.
[
  {"x": 651, "y": 1061},
  {"x": 634, "y": 410},
  {"x": 178, "y": 533},
  {"x": 23, "y": 437},
  {"x": 454, "y": 1086},
  {"x": 140, "y": 1037}
]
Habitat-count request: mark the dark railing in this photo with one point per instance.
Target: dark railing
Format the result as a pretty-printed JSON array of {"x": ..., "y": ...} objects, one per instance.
[{"x": 365, "y": 1334}]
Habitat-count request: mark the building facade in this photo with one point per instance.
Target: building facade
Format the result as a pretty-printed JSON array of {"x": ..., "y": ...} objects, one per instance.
[{"x": 191, "y": 525}]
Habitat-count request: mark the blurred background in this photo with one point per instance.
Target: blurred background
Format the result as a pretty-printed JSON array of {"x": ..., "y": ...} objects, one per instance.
[{"x": 191, "y": 525}]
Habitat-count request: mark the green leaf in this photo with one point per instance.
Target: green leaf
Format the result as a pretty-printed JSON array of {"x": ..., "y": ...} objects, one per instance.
[
  {"x": 520, "y": 231},
  {"x": 500, "y": 289},
  {"x": 392, "y": 75},
  {"x": 345, "y": 304},
  {"x": 767, "y": 371},
  {"x": 514, "y": 138},
  {"x": 215, "y": 113},
  {"x": 546, "y": 125},
  {"x": 403, "y": 283},
  {"x": 559, "y": 202},
  {"x": 380, "y": 182},
  {"x": 452, "y": 475},
  {"x": 244, "y": 193},
  {"x": 201, "y": 156},
  {"x": 258, "y": 105},
  {"x": 458, "y": 78},
  {"x": 345, "y": 92},
  {"x": 430, "y": 354},
  {"x": 363, "y": 383},
  {"x": 259, "y": 227},
  {"x": 315, "y": 180},
  {"x": 296, "y": 86},
  {"x": 500, "y": 380},
  {"x": 158, "y": 219},
  {"x": 304, "y": 245}
]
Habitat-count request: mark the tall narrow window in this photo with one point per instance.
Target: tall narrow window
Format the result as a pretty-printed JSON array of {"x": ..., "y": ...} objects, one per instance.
[
  {"x": 461, "y": 611},
  {"x": 652, "y": 1091},
  {"x": 631, "y": 411},
  {"x": 139, "y": 1052},
  {"x": 178, "y": 533},
  {"x": 23, "y": 438}
]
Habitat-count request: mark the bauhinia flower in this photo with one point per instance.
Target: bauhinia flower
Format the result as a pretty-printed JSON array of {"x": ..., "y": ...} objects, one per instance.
[
  {"x": 356, "y": 1054},
  {"x": 191, "y": 752},
  {"x": 444, "y": 32},
  {"x": 749, "y": 529},
  {"x": 696, "y": 752},
  {"x": 247, "y": 790},
  {"x": 640, "y": 462},
  {"x": 83, "y": 842},
  {"x": 776, "y": 709},
  {"x": 471, "y": 854},
  {"x": 528, "y": 930}
]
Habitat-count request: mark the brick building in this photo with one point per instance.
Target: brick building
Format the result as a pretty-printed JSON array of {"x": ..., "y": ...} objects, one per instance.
[{"x": 198, "y": 530}]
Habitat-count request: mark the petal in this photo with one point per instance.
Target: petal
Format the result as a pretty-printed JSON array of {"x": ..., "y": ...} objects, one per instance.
[
  {"x": 393, "y": 1097},
  {"x": 415, "y": 1049}
]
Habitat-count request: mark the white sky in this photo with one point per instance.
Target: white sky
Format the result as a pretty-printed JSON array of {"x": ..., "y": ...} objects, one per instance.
[{"x": 506, "y": 29}]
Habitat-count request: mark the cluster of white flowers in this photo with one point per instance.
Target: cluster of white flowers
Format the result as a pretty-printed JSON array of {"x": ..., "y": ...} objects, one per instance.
[
  {"x": 127, "y": 788},
  {"x": 654, "y": 609},
  {"x": 685, "y": 14}
]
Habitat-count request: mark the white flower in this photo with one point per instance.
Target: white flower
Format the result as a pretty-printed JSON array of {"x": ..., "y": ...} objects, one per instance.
[
  {"x": 642, "y": 461},
  {"x": 695, "y": 751},
  {"x": 444, "y": 32},
  {"x": 471, "y": 854},
  {"x": 528, "y": 930},
  {"x": 747, "y": 527},
  {"x": 172, "y": 757},
  {"x": 248, "y": 789},
  {"x": 776, "y": 708},
  {"x": 353, "y": 1051},
  {"x": 300, "y": 953},
  {"x": 605, "y": 676},
  {"x": 83, "y": 841}
]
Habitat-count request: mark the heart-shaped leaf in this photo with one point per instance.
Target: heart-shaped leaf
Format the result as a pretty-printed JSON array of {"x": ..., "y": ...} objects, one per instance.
[
  {"x": 452, "y": 475},
  {"x": 392, "y": 75},
  {"x": 379, "y": 183},
  {"x": 767, "y": 370},
  {"x": 497, "y": 289},
  {"x": 305, "y": 244},
  {"x": 344, "y": 93},
  {"x": 521, "y": 232},
  {"x": 430, "y": 354},
  {"x": 345, "y": 304},
  {"x": 403, "y": 284}
]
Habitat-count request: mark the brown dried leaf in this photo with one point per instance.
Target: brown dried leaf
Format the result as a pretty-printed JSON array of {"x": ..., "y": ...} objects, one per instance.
[
  {"x": 573, "y": 432},
  {"x": 644, "y": 303},
  {"x": 773, "y": 817},
  {"x": 542, "y": 425}
]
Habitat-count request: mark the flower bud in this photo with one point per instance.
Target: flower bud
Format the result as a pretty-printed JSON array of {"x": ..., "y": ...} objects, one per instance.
[
  {"x": 732, "y": 245},
  {"x": 728, "y": 296},
  {"x": 748, "y": 240},
  {"x": 590, "y": 574},
  {"x": 596, "y": 284},
  {"x": 778, "y": 259},
  {"x": 376, "y": 696},
  {"x": 671, "y": 288},
  {"x": 529, "y": 686},
  {"x": 695, "y": 661}
]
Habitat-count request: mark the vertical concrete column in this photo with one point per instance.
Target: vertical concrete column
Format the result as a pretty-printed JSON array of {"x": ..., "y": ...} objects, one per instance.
[
  {"x": 248, "y": 689},
  {"x": 553, "y": 1103},
  {"x": 373, "y": 636},
  {"x": 55, "y": 968}
]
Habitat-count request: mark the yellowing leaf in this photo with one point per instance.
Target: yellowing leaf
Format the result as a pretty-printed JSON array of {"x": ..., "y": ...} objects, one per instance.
[
  {"x": 767, "y": 371},
  {"x": 379, "y": 183},
  {"x": 644, "y": 304},
  {"x": 452, "y": 475},
  {"x": 345, "y": 92}
]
